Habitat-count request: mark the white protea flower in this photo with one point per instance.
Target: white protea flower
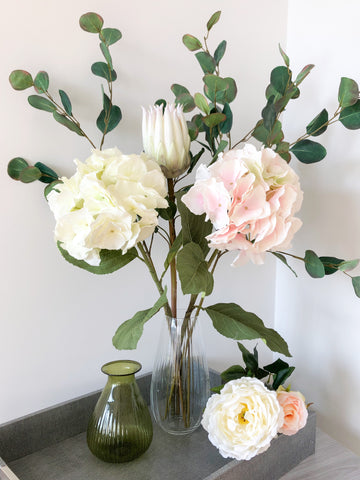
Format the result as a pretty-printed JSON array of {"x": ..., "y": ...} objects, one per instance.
[{"x": 166, "y": 138}]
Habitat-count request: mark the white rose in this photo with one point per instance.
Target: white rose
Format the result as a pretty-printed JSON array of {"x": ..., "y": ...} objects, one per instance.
[{"x": 243, "y": 419}]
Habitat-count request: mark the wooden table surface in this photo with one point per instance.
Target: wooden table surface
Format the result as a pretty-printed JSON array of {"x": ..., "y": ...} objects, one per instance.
[{"x": 331, "y": 461}]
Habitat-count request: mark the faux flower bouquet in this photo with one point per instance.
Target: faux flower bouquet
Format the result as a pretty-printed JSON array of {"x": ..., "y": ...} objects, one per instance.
[{"x": 245, "y": 197}]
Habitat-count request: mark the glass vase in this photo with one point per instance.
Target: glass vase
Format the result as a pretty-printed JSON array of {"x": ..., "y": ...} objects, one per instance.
[
  {"x": 120, "y": 428},
  {"x": 180, "y": 378}
]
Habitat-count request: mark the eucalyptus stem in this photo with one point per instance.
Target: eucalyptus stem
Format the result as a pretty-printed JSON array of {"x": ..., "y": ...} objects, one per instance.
[{"x": 172, "y": 234}]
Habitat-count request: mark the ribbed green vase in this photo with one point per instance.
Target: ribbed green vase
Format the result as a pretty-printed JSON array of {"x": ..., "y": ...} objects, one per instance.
[{"x": 120, "y": 428}]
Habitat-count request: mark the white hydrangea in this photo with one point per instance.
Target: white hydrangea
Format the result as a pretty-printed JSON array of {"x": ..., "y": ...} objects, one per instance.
[{"x": 109, "y": 203}]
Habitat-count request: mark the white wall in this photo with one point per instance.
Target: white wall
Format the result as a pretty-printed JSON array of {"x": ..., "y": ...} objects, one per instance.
[
  {"x": 320, "y": 318},
  {"x": 57, "y": 321}
]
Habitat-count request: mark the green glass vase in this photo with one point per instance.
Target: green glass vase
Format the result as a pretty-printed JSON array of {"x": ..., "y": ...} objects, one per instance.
[{"x": 120, "y": 428}]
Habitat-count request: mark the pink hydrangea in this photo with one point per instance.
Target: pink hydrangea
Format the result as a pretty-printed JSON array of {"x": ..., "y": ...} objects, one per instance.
[{"x": 250, "y": 196}]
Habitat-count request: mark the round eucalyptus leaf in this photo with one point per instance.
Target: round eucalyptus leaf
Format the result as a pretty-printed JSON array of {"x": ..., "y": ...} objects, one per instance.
[
  {"x": 20, "y": 79},
  {"x": 41, "y": 82},
  {"x": 48, "y": 175},
  {"x": 91, "y": 22},
  {"x": 350, "y": 116},
  {"x": 308, "y": 151},
  {"x": 41, "y": 103},
  {"x": 101, "y": 69},
  {"x": 110, "y": 35},
  {"x": 29, "y": 174},
  {"x": 191, "y": 42},
  {"x": 16, "y": 166}
]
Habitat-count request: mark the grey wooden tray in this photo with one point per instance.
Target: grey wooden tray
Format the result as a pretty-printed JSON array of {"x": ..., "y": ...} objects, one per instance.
[{"x": 51, "y": 445}]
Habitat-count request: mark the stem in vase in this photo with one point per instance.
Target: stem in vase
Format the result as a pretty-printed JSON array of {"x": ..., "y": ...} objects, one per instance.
[{"x": 172, "y": 233}]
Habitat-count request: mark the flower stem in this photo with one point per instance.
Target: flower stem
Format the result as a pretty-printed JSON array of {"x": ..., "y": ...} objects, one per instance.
[{"x": 172, "y": 233}]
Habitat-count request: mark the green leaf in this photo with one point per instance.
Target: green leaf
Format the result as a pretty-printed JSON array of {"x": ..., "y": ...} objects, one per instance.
[
  {"x": 194, "y": 227},
  {"x": 201, "y": 103},
  {"x": 50, "y": 187},
  {"x": 276, "y": 366},
  {"x": 282, "y": 376},
  {"x": 161, "y": 103},
  {"x": 195, "y": 159},
  {"x": 41, "y": 82},
  {"x": 169, "y": 212},
  {"x": 231, "y": 91},
  {"x": 356, "y": 284},
  {"x": 206, "y": 61},
  {"x": 308, "y": 151},
  {"x": 105, "y": 51},
  {"x": 222, "y": 145},
  {"x": 276, "y": 135},
  {"x": 345, "y": 266},
  {"x": 16, "y": 166},
  {"x": 213, "y": 20},
  {"x": 319, "y": 124},
  {"x": 350, "y": 116},
  {"x": 215, "y": 88},
  {"x": 269, "y": 115},
  {"x": 179, "y": 90},
  {"x": 282, "y": 149},
  {"x": 20, "y": 79},
  {"x": 67, "y": 123},
  {"x": 217, "y": 389},
  {"x": 110, "y": 260},
  {"x": 193, "y": 270},
  {"x": 219, "y": 52},
  {"x": 65, "y": 100},
  {"x": 260, "y": 133},
  {"x": 129, "y": 333},
  {"x": 330, "y": 264},
  {"x": 232, "y": 321},
  {"x": 191, "y": 42},
  {"x": 105, "y": 125},
  {"x": 29, "y": 174},
  {"x": 250, "y": 359},
  {"x": 284, "y": 56},
  {"x": 187, "y": 102},
  {"x": 233, "y": 373},
  {"x": 303, "y": 74},
  {"x": 110, "y": 35},
  {"x": 284, "y": 260},
  {"x": 41, "y": 103},
  {"x": 101, "y": 69},
  {"x": 280, "y": 78},
  {"x": 173, "y": 251},
  {"x": 348, "y": 92},
  {"x": 48, "y": 175},
  {"x": 193, "y": 131},
  {"x": 91, "y": 22},
  {"x": 214, "y": 119},
  {"x": 313, "y": 265},
  {"x": 226, "y": 126}
]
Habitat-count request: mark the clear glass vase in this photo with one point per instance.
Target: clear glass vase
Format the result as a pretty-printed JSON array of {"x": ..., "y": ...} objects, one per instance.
[
  {"x": 180, "y": 377},
  {"x": 120, "y": 428}
]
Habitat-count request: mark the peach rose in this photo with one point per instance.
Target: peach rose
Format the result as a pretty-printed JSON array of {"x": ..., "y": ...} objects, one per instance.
[{"x": 295, "y": 411}]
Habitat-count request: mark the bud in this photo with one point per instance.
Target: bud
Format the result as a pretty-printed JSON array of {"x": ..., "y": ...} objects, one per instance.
[{"x": 166, "y": 138}]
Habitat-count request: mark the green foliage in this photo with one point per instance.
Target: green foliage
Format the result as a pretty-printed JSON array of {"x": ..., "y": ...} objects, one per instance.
[
  {"x": 68, "y": 123},
  {"x": 348, "y": 92},
  {"x": 350, "y": 116},
  {"x": 313, "y": 265},
  {"x": 206, "y": 61},
  {"x": 318, "y": 125},
  {"x": 106, "y": 52},
  {"x": 50, "y": 187},
  {"x": 65, "y": 100},
  {"x": 110, "y": 36},
  {"x": 41, "y": 82},
  {"x": 193, "y": 270},
  {"x": 173, "y": 251},
  {"x": 20, "y": 79},
  {"x": 356, "y": 285},
  {"x": 169, "y": 212},
  {"x": 91, "y": 22},
  {"x": 284, "y": 56},
  {"x": 226, "y": 125},
  {"x": 16, "y": 166},
  {"x": 41, "y": 103},
  {"x": 219, "y": 52},
  {"x": 232, "y": 321},
  {"x": 201, "y": 103},
  {"x": 129, "y": 333},
  {"x": 110, "y": 260},
  {"x": 215, "y": 17},
  {"x": 29, "y": 174},
  {"x": 281, "y": 372},
  {"x": 330, "y": 264},
  {"x": 283, "y": 259},
  {"x": 303, "y": 74},
  {"x": 345, "y": 266},
  {"x": 191, "y": 42},
  {"x": 101, "y": 69},
  {"x": 214, "y": 119},
  {"x": 195, "y": 159},
  {"x": 280, "y": 78},
  {"x": 48, "y": 175},
  {"x": 308, "y": 151},
  {"x": 107, "y": 121}
]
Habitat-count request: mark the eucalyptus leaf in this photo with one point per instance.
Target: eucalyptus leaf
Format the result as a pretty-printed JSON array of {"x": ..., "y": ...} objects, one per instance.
[
  {"x": 282, "y": 258},
  {"x": 48, "y": 175},
  {"x": 187, "y": 102},
  {"x": 356, "y": 285},
  {"x": 41, "y": 103},
  {"x": 107, "y": 123},
  {"x": 222, "y": 145},
  {"x": 68, "y": 123},
  {"x": 345, "y": 266},
  {"x": 91, "y": 22},
  {"x": 110, "y": 35},
  {"x": 232, "y": 321},
  {"x": 350, "y": 116},
  {"x": 303, "y": 74},
  {"x": 41, "y": 82},
  {"x": 213, "y": 20},
  {"x": 195, "y": 159},
  {"x": 318, "y": 125},
  {"x": 331, "y": 264},
  {"x": 201, "y": 103},
  {"x": 16, "y": 166},
  {"x": 284, "y": 56},
  {"x": 20, "y": 79},
  {"x": 206, "y": 61},
  {"x": 269, "y": 115},
  {"x": 308, "y": 151},
  {"x": 280, "y": 78},
  {"x": 219, "y": 52},
  {"x": 226, "y": 125},
  {"x": 191, "y": 42},
  {"x": 129, "y": 333},
  {"x": 110, "y": 260},
  {"x": 106, "y": 52},
  {"x": 65, "y": 100},
  {"x": 51, "y": 186},
  {"x": 29, "y": 174},
  {"x": 193, "y": 131},
  {"x": 313, "y": 265},
  {"x": 282, "y": 149},
  {"x": 193, "y": 270},
  {"x": 101, "y": 69},
  {"x": 214, "y": 119},
  {"x": 348, "y": 92},
  {"x": 178, "y": 89}
]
